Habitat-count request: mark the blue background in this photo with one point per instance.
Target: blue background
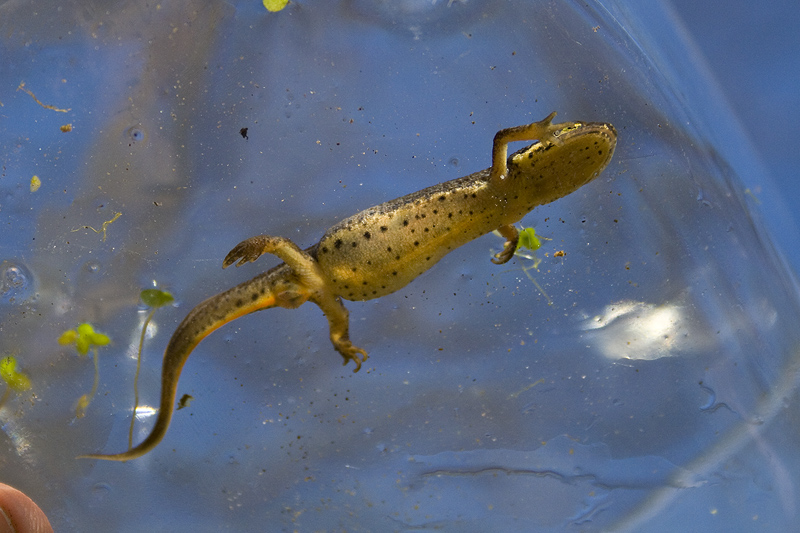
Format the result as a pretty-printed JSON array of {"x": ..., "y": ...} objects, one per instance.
[
  {"x": 752, "y": 52},
  {"x": 645, "y": 380}
]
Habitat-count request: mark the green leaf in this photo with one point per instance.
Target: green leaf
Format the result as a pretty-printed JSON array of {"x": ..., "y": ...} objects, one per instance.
[
  {"x": 9, "y": 373},
  {"x": 528, "y": 239},
  {"x": 155, "y": 298},
  {"x": 275, "y": 5},
  {"x": 68, "y": 337},
  {"x": 99, "y": 339},
  {"x": 84, "y": 337}
]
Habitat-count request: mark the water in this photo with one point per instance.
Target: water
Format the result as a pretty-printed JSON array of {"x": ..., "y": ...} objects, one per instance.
[{"x": 647, "y": 382}]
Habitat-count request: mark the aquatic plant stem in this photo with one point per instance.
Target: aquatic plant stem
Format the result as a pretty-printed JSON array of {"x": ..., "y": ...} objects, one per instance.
[{"x": 136, "y": 376}]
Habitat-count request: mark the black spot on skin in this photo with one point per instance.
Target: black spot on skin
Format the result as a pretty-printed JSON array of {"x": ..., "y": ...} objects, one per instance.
[
  {"x": 426, "y": 230},
  {"x": 347, "y": 286},
  {"x": 324, "y": 249},
  {"x": 474, "y": 195},
  {"x": 449, "y": 215},
  {"x": 355, "y": 244},
  {"x": 442, "y": 198},
  {"x": 397, "y": 257},
  {"x": 363, "y": 282},
  {"x": 427, "y": 259},
  {"x": 239, "y": 303},
  {"x": 405, "y": 222},
  {"x": 354, "y": 269},
  {"x": 384, "y": 228},
  {"x": 388, "y": 248},
  {"x": 337, "y": 244},
  {"x": 435, "y": 211},
  {"x": 394, "y": 273},
  {"x": 367, "y": 235},
  {"x": 254, "y": 296},
  {"x": 416, "y": 243}
]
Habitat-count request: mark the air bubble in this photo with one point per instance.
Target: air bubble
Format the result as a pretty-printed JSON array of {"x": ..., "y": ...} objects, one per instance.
[
  {"x": 135, "y": 134},
  {"x": 15, "y": 282}
]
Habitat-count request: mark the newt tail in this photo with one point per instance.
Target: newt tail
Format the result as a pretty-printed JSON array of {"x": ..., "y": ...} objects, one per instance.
[
  {"x": 204, "y": 319},
  {"x": 288, "y": 285}
]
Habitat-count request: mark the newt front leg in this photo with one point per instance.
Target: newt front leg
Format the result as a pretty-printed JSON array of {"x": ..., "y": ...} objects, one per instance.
[{"x": 512, "y": 240}]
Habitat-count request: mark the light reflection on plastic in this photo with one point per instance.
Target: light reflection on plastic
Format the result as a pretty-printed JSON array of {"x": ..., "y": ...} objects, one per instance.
[
  {"x": 639, "y": 330},
  {"x": 143, "y": 412}
]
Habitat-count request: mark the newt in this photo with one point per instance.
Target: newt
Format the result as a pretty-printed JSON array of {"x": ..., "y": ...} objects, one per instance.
[{"x": 380, "y": 250}]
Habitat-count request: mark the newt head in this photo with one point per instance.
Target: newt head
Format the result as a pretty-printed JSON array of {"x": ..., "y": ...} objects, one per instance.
[{"x": 584, "y": 150}]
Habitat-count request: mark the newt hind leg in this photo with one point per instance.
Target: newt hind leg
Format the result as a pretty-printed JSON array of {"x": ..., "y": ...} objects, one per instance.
[
  {"x": 303, "y": 265},
  {"x": 251, "y": 249}
]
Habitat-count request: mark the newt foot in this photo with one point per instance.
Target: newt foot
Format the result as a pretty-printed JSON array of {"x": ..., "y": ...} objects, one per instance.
[
  {"x": 351, "y": 353},
  {"x": 508, "y": 252},
  {"x": 552, "y": 131},
  {"x": 245, "y": 252}
]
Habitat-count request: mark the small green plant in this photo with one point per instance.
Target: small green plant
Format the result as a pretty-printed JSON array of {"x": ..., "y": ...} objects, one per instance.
[
  {"x": 16, "y": 380},
  {"x": 528, "y": 240},
  {"x": 85, "y": 338},
  {"x": 154, "y": 299}
]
